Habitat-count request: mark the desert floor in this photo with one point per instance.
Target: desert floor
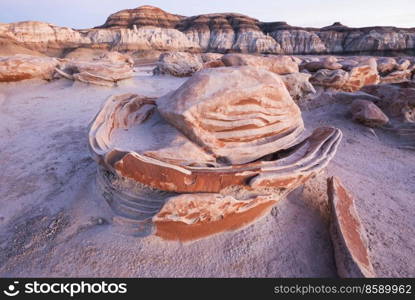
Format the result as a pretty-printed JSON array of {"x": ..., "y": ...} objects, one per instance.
[{"x": 54, "y": 222}]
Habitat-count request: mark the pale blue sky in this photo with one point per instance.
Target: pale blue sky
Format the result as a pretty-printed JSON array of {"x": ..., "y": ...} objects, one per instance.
[{"x": 317, "y": 13}]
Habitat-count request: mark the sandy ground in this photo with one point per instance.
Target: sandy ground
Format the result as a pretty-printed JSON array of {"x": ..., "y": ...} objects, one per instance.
[{"x": 54, "y": 222}]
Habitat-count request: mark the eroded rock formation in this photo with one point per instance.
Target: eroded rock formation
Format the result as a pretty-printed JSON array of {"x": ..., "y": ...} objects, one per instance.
[
  {"x": 245, "y": 113},
  {"x": 148, "y": 27},
  {"x": 104, "y": 69},
  {"x": 231, "y": 151}
]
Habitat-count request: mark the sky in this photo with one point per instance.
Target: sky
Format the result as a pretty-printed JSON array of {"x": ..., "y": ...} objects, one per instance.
[{"x": 314, "y": 13}]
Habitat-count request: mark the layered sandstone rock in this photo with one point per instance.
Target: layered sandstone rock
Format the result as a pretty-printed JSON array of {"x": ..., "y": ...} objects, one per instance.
[
  {"x": 20, "y": 67},
  {"x": 367, "y": 113},
  {"x": 348, "y": 234},
  {"x": 238, "y": 114},
  {"x": 104, "y": 69},
  {"x": 9, "y": 47},
  {"x": 281, "y": 64},
  {"x": 146, "y": 15},
  {"x": 157, "y": 151},
  {"x": 193, "y": 216},
  {"x": 43, "y": 37},
  {"x": 180, "y": 64},
  {"x": 364, "y": 73}
]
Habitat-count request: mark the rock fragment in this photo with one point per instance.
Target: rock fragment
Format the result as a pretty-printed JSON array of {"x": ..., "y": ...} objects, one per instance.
[
  {"x": 348, "y": 234},
  {"x": 367, "y": 113}
]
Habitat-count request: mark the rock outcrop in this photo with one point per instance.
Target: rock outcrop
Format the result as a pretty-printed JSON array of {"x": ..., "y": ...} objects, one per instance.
[
  {"x": 20, "y": 67},
  {"x": 219, "y": 156},
  {"x": 148, "y": 27}
]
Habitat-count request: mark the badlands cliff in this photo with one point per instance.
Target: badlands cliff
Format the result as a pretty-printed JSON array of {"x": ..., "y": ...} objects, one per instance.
[{"x": 150, "y": 28}]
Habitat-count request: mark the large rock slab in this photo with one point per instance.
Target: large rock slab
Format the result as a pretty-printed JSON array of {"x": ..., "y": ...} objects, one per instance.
[
  {"x": 348, "y": 234},
  {"x": 20, "y": 67},
  {"x": 238, "y": 114},
  {"x": 335, "y": 79}
]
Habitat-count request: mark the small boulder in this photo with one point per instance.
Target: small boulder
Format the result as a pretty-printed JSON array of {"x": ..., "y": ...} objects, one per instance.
[
  {"x": 298, "y": 85},
  {"x": 330, "y": 78},
  {"x": 367, "y": 113},
  {"x": 179, "y": 64},
  {"x": 329, "y": 63}
]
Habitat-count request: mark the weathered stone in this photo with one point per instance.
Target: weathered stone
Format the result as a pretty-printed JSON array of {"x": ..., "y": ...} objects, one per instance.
[
  {"x": 329, "y": 63},
  {"x": 348, "y": 64},
  {"x": 20, "y": 67},
  {"x": 348, "y": 234},
  {"x": 190, "y": 217},
  {"x": 365, "y": 73},
  {"x": 239, "y": 114},
  {"x": 336, "y": 79},
  {"x": 155, "y": 159},
  {"x": 386, "y": 65},
  {"x": 396, "y": 76},
  {"x": 207, "y": 57},
  {"x": 105, "y": 69},
  {"x": 277, "y": 64},
  {"x": 403, "y": 64},
  {"x": 367, "y": 113},
  {"x": 395, "y": 98},
  {"x": 180, "y": 64},
  {"x": 298, "y": 85}
]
